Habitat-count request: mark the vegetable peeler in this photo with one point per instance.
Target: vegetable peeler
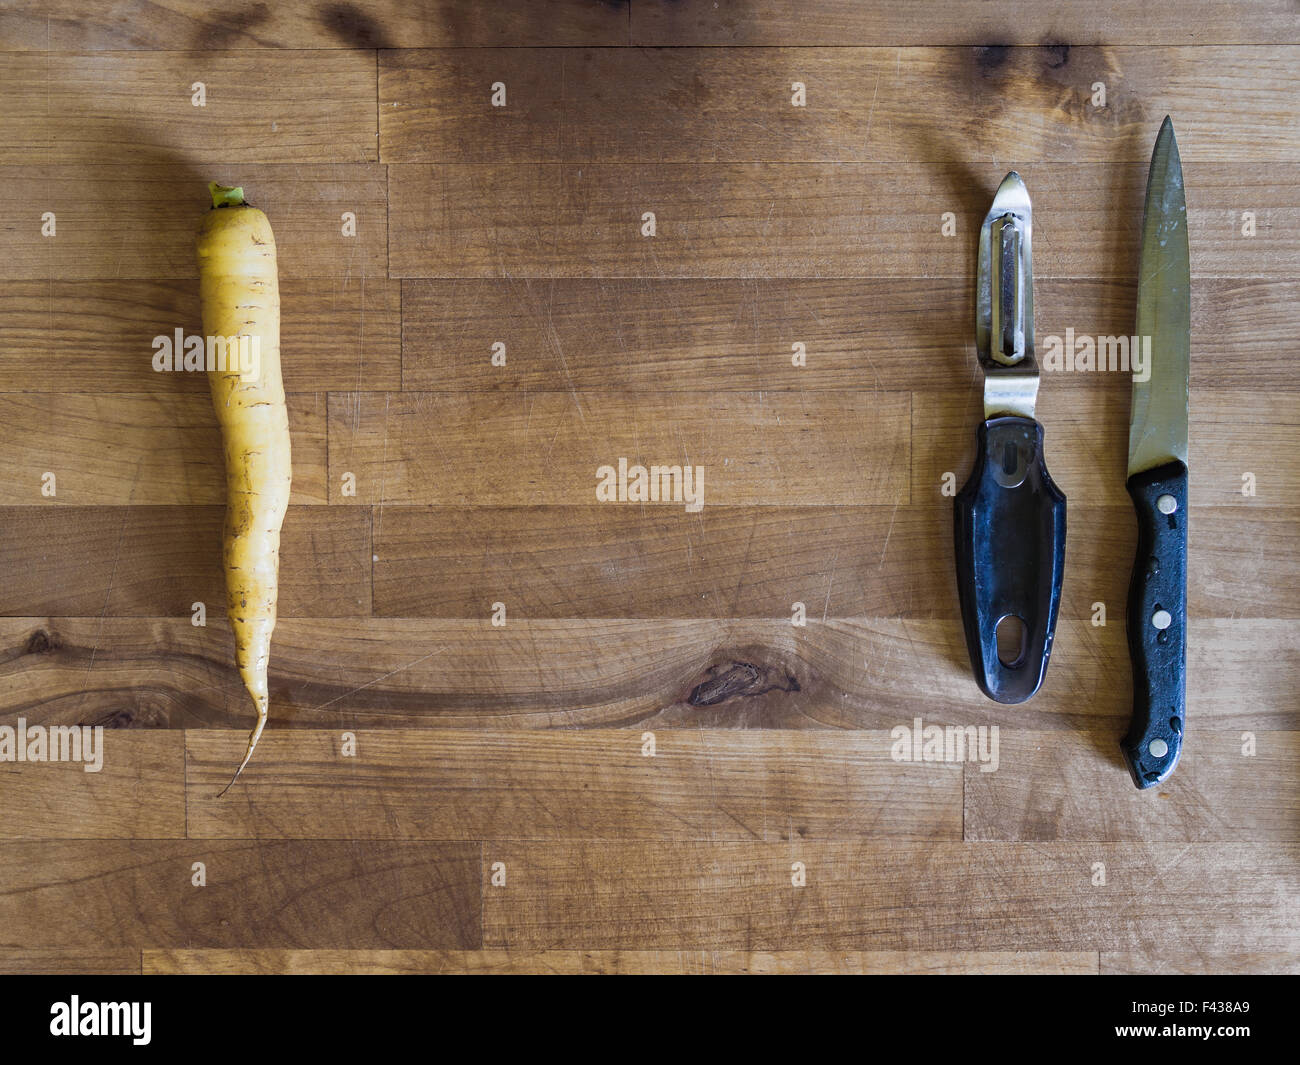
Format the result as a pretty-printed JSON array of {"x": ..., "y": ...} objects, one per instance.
[{"x": 1009, "y": 518}]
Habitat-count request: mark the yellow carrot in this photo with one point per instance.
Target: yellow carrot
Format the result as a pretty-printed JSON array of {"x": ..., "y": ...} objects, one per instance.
[{"x": 240, "y": 298}]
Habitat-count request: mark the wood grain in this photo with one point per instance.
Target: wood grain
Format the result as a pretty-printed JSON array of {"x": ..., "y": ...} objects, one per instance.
[
  {"x": 360, "y": 24},
  {"x": 1047, "y": 787},
  {"x": 618, "y": 560},
  {"x": 845, "y": 229},
  {"x": 138, "y": 792},
  {"x": 65, "y": 24},
  {"x": 971, "y": 22},
  {"x": 158, "y": 561},
  {"x": 734, "y": 105},
  {"x": 682, "y": 335},
  {"x": 36, "y": 961},
  {"x": 548, "y": 449},
  {"x": 138, "y": 449},
  {"x": 98, "y": 336},
  {"x": 669, "y": 335},
  {"x": 608, "y": 962},
  {"x": 1163, "y": 962},
  {"x": 589, "y": 785},
  {"x": 1086, "y": 441},
  {"x": 825, "y": 220},
  {"x": 138, "y": 221},
  {"x": 863, "y": 673},
  {"x": 623, "y": 560},
  {"x": 869, "y": 896},
  {"x": 352, "y": 894},
  {"x": 92, "y": 109}
]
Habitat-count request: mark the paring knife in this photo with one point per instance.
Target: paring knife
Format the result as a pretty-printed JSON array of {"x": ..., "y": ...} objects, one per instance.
[
  {"x": 1157, "y": 476},
  {"x": 1009, "y": 526}
]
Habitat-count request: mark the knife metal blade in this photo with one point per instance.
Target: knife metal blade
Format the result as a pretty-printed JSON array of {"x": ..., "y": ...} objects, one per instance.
[
  {"x": 1158, "y": 475},
  {"x": 1158, "y": 423}
]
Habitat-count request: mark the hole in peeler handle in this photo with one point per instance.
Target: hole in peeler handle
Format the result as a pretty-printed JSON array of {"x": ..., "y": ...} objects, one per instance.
[
  {"x": 1010, "y": 460},
  {"x": 1012, "y": 636}
]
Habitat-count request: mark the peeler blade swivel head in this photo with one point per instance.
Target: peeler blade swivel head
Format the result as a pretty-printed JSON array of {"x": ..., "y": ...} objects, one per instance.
[
  {"x": 1004, "y": 314},
  {"x": 1004, "y": 302}
]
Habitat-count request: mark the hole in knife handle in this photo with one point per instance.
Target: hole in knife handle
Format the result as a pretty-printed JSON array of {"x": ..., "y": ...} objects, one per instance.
[{"x": 1012, "y": 636}]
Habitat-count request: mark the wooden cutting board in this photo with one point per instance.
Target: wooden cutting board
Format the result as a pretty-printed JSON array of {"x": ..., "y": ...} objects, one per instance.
[{"x": 519, "y": 726}]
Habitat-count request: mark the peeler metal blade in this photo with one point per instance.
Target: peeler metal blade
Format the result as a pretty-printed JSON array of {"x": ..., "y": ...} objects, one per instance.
[{"x": 1004, "y": 303}]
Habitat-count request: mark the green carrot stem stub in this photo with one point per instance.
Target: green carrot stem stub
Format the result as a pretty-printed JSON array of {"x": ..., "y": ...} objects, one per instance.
[{"x": 224, "y": 196}]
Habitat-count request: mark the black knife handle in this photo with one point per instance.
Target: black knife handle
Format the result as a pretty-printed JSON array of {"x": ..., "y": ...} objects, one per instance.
[
  {"x": 1010, "y": 539},
  {"x": 1157, "y": 624}
]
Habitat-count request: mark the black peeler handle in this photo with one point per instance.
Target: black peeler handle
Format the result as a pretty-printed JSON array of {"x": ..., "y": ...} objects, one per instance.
[{"x": 1010, "y": 540}]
